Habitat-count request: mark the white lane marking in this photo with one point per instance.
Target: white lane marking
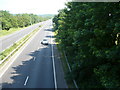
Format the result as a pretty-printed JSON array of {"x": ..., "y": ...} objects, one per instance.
[
  {"x": 26, "y": 81},
  {"x": 5, "y": 67},
  {"x": 34, "y": 58},
  {"x": 53, "y": 65}
]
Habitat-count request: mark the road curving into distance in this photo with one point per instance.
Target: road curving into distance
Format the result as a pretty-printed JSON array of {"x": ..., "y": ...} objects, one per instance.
[
  {"x": 36, "y": 65},
  {"x": 7, "y": 41}
]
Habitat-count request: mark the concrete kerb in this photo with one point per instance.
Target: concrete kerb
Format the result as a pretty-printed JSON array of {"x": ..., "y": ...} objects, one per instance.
[
  {"x": 17, "y": 40},
  {"x": 16, "y": 47},
  {"x": 8, "y": 63}
]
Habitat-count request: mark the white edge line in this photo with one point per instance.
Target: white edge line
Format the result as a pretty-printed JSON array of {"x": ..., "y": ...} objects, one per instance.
[
  {"x": 26, "y": 81},
  {"x": 53, "y": 65},
  {"x": 19, "y": 38},
  {"x": 21, "y": 50}
]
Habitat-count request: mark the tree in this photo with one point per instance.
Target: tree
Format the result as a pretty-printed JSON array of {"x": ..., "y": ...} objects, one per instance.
[
  {"x": 6, "y": 18},
  {"x": 89, "y": 32},
  {"x": 18, "y": 20}
]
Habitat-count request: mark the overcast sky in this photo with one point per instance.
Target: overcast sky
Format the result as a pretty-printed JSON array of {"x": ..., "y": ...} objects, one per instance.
[{"x": 32, "y": 6}]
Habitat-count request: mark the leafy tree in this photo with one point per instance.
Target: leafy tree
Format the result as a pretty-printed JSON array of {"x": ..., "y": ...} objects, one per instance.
[
  {"x": 90, "y": 34},
  {"x": 18, "y": 20},
  {"x": 6, "y": 18}
]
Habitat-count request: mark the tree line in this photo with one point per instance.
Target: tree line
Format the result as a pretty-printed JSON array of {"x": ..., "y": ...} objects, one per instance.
[
  {"x": 90, "y": 35},
  {"x": 9, "y": 20}
]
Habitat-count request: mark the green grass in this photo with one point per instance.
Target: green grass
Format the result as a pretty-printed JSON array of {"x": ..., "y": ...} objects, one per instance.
[
  {"x": 9, "y": 50},
  {"x": 12, "y": 30}
]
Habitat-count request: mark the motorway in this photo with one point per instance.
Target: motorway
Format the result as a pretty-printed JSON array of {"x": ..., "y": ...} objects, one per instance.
[
  {"x": 9, "y": 40},
  {"x": 35, "y": 65}
]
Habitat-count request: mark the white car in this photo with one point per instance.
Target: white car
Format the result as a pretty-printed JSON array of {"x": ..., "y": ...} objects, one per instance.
[{"x": 44, "y": 42}]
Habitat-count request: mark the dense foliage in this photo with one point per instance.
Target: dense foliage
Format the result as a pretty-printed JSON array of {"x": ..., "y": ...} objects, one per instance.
[
  {"x": 90, "y": 34},
  {"x": 18, "y": 20}
]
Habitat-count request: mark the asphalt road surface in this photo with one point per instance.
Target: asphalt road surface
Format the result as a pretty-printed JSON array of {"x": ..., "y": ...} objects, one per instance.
[
  {"x": 9, "y": 40},
  {"x": 37, "y": 65}
]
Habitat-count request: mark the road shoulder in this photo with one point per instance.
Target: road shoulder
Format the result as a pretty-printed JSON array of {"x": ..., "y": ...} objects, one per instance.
[{"x": 61, "y": 82}]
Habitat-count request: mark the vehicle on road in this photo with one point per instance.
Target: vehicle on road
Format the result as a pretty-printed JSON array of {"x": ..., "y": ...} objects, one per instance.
[{"x": 44, "y": 42}]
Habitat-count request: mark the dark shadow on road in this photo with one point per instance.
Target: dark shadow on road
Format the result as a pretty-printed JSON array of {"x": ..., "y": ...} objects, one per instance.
[
  {"x": 50, "y": 36},
  {"x": 33, "y": 65},
  {"x": 48, "y": 29},
  {"x": 20, "y": 72}
]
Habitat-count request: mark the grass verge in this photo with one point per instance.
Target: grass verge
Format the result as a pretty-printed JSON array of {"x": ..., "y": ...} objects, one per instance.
[
  {"x": 12, "y": 30},
  {"x": 69, "y": 82},
  {"x": 15, "y": 45}
]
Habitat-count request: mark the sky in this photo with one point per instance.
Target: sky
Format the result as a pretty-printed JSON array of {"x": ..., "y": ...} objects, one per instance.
[{"x": 32, "y": 6}]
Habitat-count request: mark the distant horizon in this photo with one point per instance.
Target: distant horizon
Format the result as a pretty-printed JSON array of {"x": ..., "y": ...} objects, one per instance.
[{"x": 31, "y": 13}]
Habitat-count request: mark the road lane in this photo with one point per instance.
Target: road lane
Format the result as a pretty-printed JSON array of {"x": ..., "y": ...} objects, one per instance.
[
  {"x": 9, "y": 40},
  {"x": 33, "y": 68}
]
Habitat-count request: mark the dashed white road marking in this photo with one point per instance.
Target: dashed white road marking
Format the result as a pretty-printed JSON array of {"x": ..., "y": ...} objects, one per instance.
[
  {"x": 38, "y": 48},
  {"x": 5, "y": 67},
  {"x": 26, "y": 81},
  {"x": 34, "y": 58}
]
